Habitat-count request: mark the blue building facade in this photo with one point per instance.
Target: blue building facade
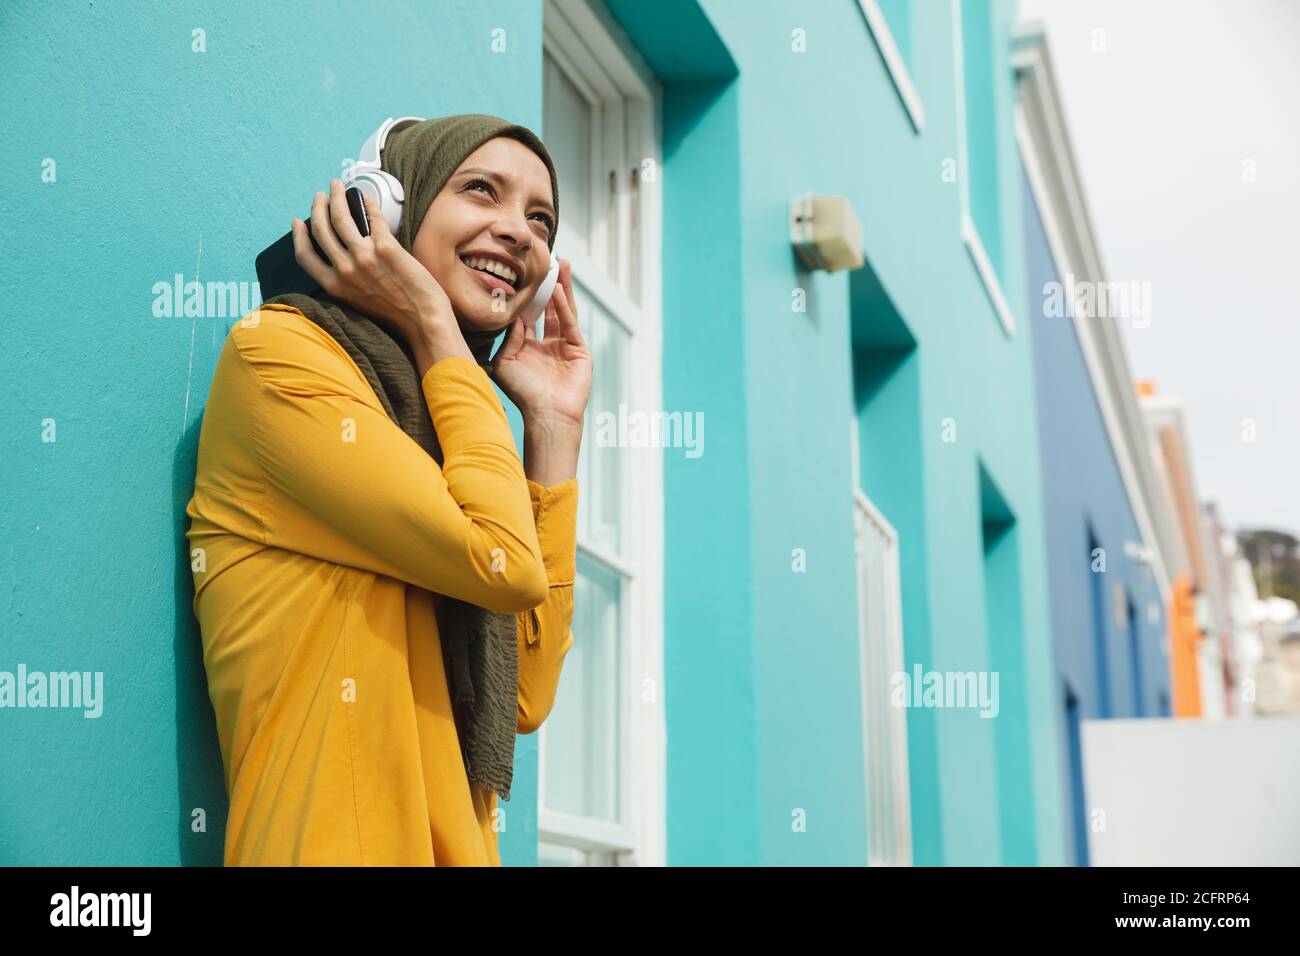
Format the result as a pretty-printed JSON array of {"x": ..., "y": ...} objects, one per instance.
[
  {"x": 1107, "y": 617},
  {"x": 1106, "y": 585}
]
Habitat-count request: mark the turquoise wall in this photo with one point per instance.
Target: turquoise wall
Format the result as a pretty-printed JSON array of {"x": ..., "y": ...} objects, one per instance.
[
  {"x": 167, "y": 161},
  {"x": 159, "y": 149},
  {"x": 763, "y": 658}
]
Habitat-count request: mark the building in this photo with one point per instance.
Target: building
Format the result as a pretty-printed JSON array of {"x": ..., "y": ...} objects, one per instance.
[
  {"x": 1195, "y": 663},
  {"x": 1246, "y": 644},
  {"x": 1102, "y": 504},
  {"x": 868, "y": 505},
  {"x": 773, "y": 671}
]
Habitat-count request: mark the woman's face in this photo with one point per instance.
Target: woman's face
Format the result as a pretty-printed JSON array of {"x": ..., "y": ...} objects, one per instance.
[{"x": 497, "y": 205}]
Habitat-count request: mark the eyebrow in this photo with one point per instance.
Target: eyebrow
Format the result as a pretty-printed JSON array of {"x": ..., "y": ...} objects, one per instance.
[{"x": 503, "y": 181}]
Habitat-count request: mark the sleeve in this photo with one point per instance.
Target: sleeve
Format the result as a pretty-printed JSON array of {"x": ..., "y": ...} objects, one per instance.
[
  {"x": 344, "y": 483},
  {"x": 545, "y": 634}
]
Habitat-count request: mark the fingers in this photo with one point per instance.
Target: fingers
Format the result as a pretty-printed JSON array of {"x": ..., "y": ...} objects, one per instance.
[
  {"x": 323, "y": 231},
  {"x": 385, "y": 243},
  {"x": 311, "y": 263},
  {"x": 514, "y": 341},
  {"x": 566, "y": 276},
  {"x": 551, "y": 327},
  {"x": 379, "y": 230},
  {"x": 564, "y": 303},
  {"x": 341, "y": 216},
  {"x": 564, "y": 319}
]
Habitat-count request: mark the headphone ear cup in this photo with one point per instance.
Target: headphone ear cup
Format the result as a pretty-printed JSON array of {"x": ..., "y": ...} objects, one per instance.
[
  {"x": 383, "y": 187},
  {"x": 544, "y": 292}
]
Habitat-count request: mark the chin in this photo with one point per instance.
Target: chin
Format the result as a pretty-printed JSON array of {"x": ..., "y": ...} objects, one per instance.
[
  {"x": 475, "y": 311},
  {"x": 481, "y": 325},
  {"x": 475, "y": 318}
]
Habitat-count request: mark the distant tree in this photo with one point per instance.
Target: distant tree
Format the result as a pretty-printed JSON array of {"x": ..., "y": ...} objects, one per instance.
[{"x": 1274, "y": 558}]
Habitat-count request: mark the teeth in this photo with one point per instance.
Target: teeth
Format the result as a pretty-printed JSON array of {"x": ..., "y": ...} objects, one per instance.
[{"x": 492, "y": 266}]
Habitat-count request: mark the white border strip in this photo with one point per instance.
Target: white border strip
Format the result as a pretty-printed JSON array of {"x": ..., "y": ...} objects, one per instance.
[
  {"x": 975, "y": 246},
  {"x": 894, "y": 62}
]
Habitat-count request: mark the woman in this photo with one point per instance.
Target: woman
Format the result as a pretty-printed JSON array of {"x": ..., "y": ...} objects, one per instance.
[{"x": 384, "y": 590}]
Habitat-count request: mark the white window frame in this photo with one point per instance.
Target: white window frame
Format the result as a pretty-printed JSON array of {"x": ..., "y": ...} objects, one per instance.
[
  {"x": 596, "y": 55},
  {"x": 970, "y": 234},
  {"x": 891, "y": 844},
  {"x": 892, "y": 56}
]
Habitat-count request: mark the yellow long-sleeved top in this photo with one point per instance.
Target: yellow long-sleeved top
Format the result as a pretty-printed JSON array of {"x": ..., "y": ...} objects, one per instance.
[{"x": 319, "y": 532}]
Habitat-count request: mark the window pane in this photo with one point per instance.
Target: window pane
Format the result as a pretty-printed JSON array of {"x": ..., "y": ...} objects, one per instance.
[
  {"x": 600, "y": 457},
  {"x": 554, "y": 854},
  {"x": 885, "y": 733},
  {"x": 582, "y": 731},
  {"x": 567, "y": 118}
]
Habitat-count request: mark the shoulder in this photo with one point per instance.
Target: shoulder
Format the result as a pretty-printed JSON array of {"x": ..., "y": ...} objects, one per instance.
[
  {"x": 280, "y": 328},
  {"x": 288, "y": 350}
]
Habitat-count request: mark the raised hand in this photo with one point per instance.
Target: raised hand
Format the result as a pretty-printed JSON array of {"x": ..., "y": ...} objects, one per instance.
[
  {"x": 377, "y": 276},
  {"x": 548, "y": 379}
]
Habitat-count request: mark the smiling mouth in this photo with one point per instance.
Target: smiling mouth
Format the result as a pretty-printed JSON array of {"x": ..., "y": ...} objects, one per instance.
[{"x": 491, "y": 279}]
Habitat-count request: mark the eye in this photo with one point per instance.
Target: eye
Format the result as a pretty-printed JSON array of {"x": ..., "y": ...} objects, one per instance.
[
  {"x": 547, "y": 222},
  {"x": 543, "y": 218}
]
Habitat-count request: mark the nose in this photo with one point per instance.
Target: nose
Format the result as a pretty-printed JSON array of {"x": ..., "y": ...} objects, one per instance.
[{"x": 512, "y": 227}]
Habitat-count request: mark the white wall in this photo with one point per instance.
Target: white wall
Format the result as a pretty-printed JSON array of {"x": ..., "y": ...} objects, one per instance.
[{"x": 1193, "y": 792}]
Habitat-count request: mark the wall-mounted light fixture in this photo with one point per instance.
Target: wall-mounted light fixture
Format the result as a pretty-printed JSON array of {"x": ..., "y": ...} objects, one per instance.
[{"x": 826, "y": 233}]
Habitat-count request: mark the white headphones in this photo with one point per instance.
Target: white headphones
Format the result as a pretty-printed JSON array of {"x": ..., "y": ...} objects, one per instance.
[{"x": 367, "y": 175}]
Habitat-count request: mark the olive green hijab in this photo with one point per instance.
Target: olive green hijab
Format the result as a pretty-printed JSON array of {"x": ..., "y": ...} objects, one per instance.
[
  {"x": 423, "y": 155},
  {"x": 479, "y": 647}
]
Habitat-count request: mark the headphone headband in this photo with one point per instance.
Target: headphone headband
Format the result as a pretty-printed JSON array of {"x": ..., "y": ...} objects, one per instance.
[
  {"x": 371, "y": 148},
  {"x": 367, "y": 172}
]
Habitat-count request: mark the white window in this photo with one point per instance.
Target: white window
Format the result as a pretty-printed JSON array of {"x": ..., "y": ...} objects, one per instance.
[
  {"x": 880, "y": 649},
  {"x": 601, "y": 751}
]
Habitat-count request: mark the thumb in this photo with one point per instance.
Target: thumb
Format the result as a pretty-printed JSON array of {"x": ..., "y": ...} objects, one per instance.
[{"x": 513, "y": 343}]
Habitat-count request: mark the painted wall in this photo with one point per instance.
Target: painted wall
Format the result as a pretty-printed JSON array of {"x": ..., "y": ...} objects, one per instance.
[
  {"x": 1244, "y": 776},
  {"x": 764, "y": 700},
  {"x": 167, "y": 161},
  {"x": 1185, "y": 639},
  {"x": 1107, "y": 617}
]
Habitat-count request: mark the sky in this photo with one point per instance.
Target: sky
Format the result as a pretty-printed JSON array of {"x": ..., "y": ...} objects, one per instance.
[{"x": 1185, "y": 121}]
